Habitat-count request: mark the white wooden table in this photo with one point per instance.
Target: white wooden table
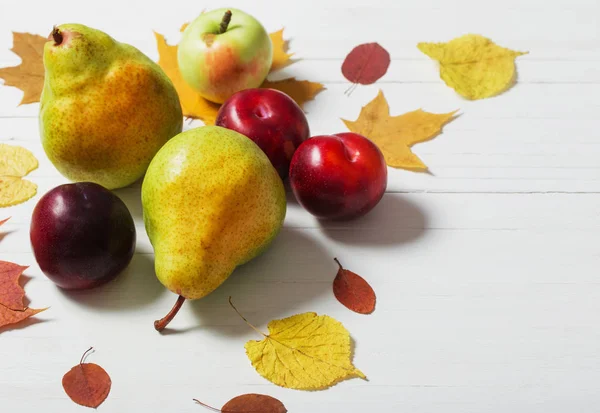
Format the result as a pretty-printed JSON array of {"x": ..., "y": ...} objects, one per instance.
[{"x": 486, "y": 271}]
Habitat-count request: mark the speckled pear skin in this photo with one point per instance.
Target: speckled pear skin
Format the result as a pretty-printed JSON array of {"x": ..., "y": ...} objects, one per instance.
[
  {"x": 211, "y": 201},
  {"x": 106, "y": 108}
]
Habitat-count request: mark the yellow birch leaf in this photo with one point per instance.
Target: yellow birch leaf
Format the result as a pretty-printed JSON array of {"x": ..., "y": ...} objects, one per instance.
[
  {"x": 195, "y": 106},
  {"x": 395, "y": 135},
  {"x": 15, "y": 163},
  {"x": 473, "y": 65},
  {"x": 304, "y": 352},
  {"x": 29, "y": 75},
  {"x": 281, "y": 58}
]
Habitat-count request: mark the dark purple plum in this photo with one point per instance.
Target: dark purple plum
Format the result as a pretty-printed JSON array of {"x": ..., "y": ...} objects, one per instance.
[{"x": 82, "y": 235}]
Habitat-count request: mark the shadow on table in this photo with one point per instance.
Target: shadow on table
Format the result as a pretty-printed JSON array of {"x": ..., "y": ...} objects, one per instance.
[
  {"x": 295, "y": 270},
  {"x": 395, "y": 220},
  {"x": 136, "y": 287}
]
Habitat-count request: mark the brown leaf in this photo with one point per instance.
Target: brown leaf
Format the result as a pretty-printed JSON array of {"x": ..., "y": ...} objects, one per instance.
[
  {"x": 250, "y": 403},
  {"x": 12, "y": 310},
  {"x": 366, "y": 64},
  {"x": 196, "y": 107},
  {"x": 87, "y": 384},
  {"x": 29, "y": 75},
  {"x": 353, "y": 291}
]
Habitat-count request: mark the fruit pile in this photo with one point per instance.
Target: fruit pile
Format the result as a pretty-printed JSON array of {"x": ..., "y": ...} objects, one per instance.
[{"x": 110, "y": 116}]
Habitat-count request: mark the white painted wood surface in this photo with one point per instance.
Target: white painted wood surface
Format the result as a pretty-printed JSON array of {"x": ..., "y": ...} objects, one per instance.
[{"x": 486, "y": 270}]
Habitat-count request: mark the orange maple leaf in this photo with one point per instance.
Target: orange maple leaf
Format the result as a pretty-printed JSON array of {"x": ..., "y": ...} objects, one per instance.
[
  {"x": 12, "y": 310},
  {"x": 29, "y": 75},
  {"x": 195, "y": 106}
]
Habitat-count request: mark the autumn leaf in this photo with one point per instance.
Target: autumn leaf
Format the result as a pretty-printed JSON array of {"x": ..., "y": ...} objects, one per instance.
[
  {"x": 12, "y": 310},
  {"x": 365, "y": 64},
  {"x": 395, "y": 135},
  {"x": 299, "y": 90},
  {"x": 353, "y": 291},
  {"x": 281, "y": 57},
  {"x": 196, "y": 107},
  {"x": 3, "y": 221},
  {"x": 473, "y": 65},
  {"x": 304, "y": 352},
  {"x": 250, "y": 403},
  {"x": 29, "y": 75},
  {"x": 87, "y": 384},
  {"x": 15, "y": 163}
]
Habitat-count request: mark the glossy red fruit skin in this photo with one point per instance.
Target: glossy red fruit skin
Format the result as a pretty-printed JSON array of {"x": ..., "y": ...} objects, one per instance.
[
  {"x": 271, "y": 118},
  {"x": 341, "y": 176},
  {"x": 82, "y": 235}
]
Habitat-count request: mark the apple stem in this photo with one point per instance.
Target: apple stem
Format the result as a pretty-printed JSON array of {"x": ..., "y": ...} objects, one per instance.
[
  {"x": 57, "y": 36},
  {"x": 160, "y": 325},
  {"x": 225, "y": 22},
  {"x": 338, "y": 263},
  {"x": 206, "y": 405}
]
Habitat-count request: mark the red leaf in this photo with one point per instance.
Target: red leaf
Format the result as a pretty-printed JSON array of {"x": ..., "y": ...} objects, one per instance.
[
  {"x": 3, "y": 221},
  {"x": 12, "y": 310},
  {"x": 353, "y": 291},
  {"x": 87, "y": 384},
  {"x": 366, "y": 63},
  {"x": 11, "y": 293},
  {"x": 250, "y": 403}
]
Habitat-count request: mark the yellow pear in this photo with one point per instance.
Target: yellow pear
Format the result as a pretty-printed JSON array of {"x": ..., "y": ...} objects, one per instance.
[
  {"x": 211, "y": 201},
  {"x": 106, "y": 108}
]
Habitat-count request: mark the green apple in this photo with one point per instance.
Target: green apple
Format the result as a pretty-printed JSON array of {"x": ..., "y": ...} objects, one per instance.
[{"x": 224, "y": 51}]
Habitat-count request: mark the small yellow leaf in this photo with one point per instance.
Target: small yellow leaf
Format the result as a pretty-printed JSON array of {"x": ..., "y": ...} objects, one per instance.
[
  {"x": 15, "y": 163},
  {"x": 281, "y": 58},
  {"x": 29, "y": 75},
  {"x": 195, "y": 106},
  {"x": 305, "y": 352},
  {"x": 473, "y": 65},
  {"x": 394, "y": 135}
]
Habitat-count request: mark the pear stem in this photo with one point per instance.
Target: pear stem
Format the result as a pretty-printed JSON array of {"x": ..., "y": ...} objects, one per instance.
[
  {"x": 244, "y": 318},
  {"x": 57, "y": 36},
  {"x": 338, "y": 263},
  {"x": 160, "y": 325},
  {"x": 225, "y": 22}
]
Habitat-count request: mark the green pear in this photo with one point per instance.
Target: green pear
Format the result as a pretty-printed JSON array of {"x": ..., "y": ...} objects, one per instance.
[
  {"x": 106, "y": 108},
  {"x": 211, "y": 201}
]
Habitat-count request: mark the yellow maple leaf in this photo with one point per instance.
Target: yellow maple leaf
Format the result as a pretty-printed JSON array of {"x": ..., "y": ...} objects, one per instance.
[
  {"x": 394, "y": 135},
  {"x": 195, "y": 106},
  {"x": 29, "y": 75},
  {"x": 281, "y": 58},
  {"x": 305, "y": 352},
  {"x": 15, "y": 163},
  {"x": 473, "y": 65}
]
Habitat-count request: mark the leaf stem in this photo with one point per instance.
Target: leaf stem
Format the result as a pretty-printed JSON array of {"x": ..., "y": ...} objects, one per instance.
[
  {"x": 244, "y": 318},
  {"x": 206, "y": 405},
  {"x": 225, "y": 22},
  {"x": 160, "y": 325},
  {"x": 85, "y": 354}
]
